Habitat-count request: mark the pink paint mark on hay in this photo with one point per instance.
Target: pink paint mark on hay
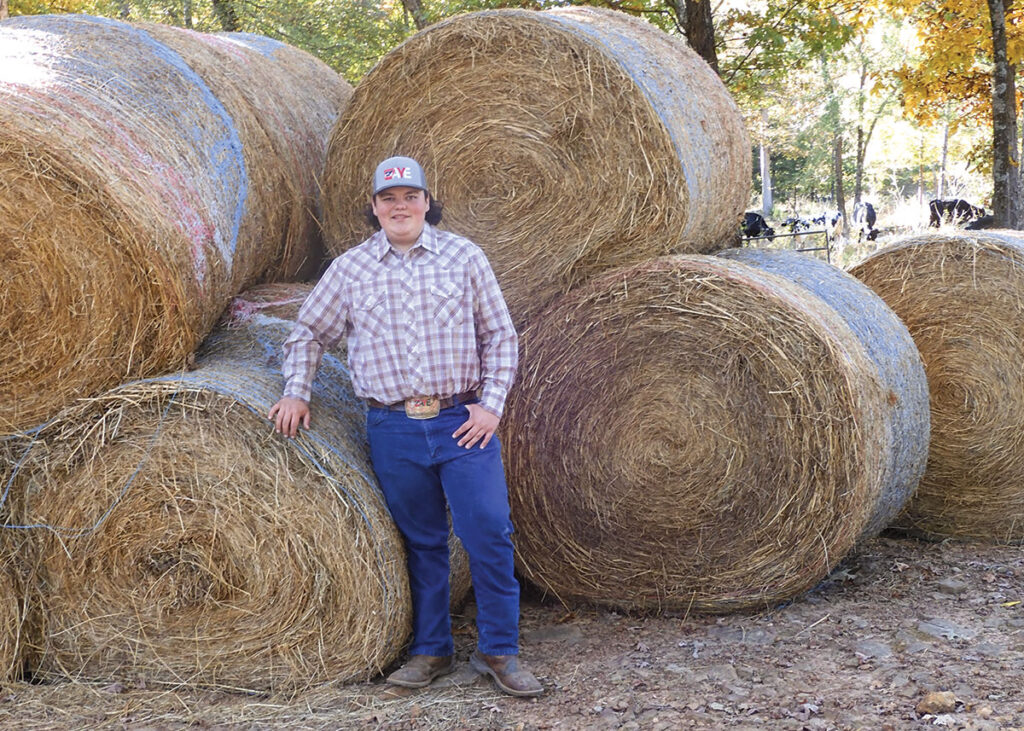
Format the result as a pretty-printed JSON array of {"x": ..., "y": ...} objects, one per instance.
[
  {"x": 128, "y": 153},
  {"x": 242, "y": 310}
]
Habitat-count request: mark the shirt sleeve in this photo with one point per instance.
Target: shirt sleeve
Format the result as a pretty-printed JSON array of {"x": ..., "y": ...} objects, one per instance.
[
  {"x": 321, "y": 323},
  {"x": 497, "y": 341}
]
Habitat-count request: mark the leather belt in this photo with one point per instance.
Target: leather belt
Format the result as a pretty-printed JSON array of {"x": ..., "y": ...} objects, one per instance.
[{"x": 444, "y": 403}]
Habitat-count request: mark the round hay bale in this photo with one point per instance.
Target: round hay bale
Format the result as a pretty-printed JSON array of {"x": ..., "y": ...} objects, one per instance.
[
  {"x": 892, "y": 351},
  {"x": 12, "y": 624},
  {"x": 140, "y": 188},
  {"x": 691, "y": 433},
  {"x": 177, "y": 539},
  {"x": 961, "y": 296},
  {"x": 565, "y": 143}
]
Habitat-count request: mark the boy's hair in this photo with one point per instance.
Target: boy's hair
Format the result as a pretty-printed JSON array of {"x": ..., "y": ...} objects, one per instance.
[{"x": 433, "y": 213}]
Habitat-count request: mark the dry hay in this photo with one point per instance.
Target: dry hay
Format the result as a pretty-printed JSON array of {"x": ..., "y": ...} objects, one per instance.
[
  {"x": 564, "y": 142},
  {"x": 960, "y": 295},
  {"x": 176, "y": 539},
  {"x": 12, "y": 615},
  {"x": 894, "y": 355},
  {"x": 691, "y": 433},
  {"x": 147, "y": 174}
]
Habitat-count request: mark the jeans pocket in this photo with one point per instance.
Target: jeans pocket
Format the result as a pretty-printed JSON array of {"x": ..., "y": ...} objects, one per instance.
[{"x": 375, "y": 417}]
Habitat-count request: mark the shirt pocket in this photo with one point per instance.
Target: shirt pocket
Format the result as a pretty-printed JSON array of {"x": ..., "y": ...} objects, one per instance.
[
  {"x": 446, "y": 301},
  {"x": 369, "y": 309}
]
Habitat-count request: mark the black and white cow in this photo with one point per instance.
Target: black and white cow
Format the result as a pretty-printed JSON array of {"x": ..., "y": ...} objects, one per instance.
[
  {"x": 795, "y": 224},
  {"x": 864, "y": 218},
  {"x": 982, "y": 222},
  {"x": 955, "y": 211},
  {"x": 754, "y": 225},
  {"x": 831, "y": 221}
]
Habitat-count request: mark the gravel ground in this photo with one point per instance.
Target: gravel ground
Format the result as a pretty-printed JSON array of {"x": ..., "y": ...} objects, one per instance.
[{"x": 902, "y": 635}]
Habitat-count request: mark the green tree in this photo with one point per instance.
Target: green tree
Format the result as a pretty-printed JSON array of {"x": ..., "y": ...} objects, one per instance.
[{"x": 969, "y": 52}]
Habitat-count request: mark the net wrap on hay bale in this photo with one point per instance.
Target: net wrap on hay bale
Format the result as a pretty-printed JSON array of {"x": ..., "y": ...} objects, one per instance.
[
  {"x": 147, "y": 174},
  {"x": 178, "y": 540},
  {"x": 564, "y": 142},
  {"x": 890, "y": 348},
  {"x": 961, "y": 296},
  {"x": 691, "y": 433}
]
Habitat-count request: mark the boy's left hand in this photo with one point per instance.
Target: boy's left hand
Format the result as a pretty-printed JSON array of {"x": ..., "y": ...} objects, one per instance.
[{"x": 481, "y": 424}]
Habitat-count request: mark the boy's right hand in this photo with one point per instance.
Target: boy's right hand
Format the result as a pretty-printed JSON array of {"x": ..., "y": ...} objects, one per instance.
[{"x": 287, "y": 414}]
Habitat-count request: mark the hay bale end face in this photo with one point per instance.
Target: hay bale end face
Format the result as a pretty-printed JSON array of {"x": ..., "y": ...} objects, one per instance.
[
  {"x": 564, "y": 142},
  {"x": 140, "y": 188},
  {"x": 961, "y": 296},
  {"x": 898, "y": 365},
  {"x": 180, "y": 540},
  {"x": 12, "y": 623},
  {"x": 691, "y": 433}
]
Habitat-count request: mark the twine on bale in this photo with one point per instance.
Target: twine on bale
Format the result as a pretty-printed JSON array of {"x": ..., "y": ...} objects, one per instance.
[
  {"x": 141, "y": 186},
  {"x": 565, "y": 143},
  {"x": 898, "y": 364},
  {"x": 177, "y": 540},
  {"x": 961, "y": 296},
  {"x": 691, "y": 433}
]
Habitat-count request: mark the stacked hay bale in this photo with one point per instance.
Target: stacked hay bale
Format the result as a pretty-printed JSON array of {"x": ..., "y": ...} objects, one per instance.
[
  {"x": 140, "y": 188},
  {"x": 564, "y": 142},
  {"x": 12, "y": 621},
  {"x": 693, "y": 433},
  {"x": 177, "y": 539},
  {"x": 890, "y": 347},
  {"x": 960, "y": 295}
]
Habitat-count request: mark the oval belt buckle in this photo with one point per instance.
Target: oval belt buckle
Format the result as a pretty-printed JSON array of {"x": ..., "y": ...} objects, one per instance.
[{"x": 422, "y": 407}]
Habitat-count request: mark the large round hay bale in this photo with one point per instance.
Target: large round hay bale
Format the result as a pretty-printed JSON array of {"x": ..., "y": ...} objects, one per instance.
[
  {"x": 177, "y": 539},
  {"x": 691, "y": 433},
  {"x": 892, "y": 351},
  {"x": 146, "y": 176},
  {"x": 961, "y": 296},
  {"x": 12, "y": 622},
  {"x": 564, "y": 142}
]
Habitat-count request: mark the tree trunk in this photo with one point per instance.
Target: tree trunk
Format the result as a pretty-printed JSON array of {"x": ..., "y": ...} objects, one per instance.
[
  {"x": 920, "y": 172},
  {"x": 837, "y": 147},
  {"x": 3, "y": 9},
  {"x": 187, "y": 14},
  {"x": 226, "y": 14},
  {"x": 858, "y": 179},
  {"x": 945, "y": 156},
  {"x": 835, "y": 123},
  {"x": 415, "y": 9},
  {"x": 767, "y": 202},
  {"x": 700, "y": 30},
  {"x": 1006, "y": 184}
]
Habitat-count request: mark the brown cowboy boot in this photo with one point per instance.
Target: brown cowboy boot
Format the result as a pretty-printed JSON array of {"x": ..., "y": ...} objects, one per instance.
[
  {"x": 507, "y": 674},
  {"x": 421, "y": 670}
]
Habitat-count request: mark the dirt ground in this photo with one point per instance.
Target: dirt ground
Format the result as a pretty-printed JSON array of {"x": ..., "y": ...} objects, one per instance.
[{"x": 902, "y": 635}]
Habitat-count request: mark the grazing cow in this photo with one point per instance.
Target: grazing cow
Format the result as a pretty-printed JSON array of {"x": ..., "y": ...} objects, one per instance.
[
  {"x": 982, "y": 222},
  {"x": 831, "y": 221},
  {"x": 754, "y": 225},
  {"x": 955, "y": 210},
  {"x": 796, "y": 224},
  {"x": 864, "y": 220}
]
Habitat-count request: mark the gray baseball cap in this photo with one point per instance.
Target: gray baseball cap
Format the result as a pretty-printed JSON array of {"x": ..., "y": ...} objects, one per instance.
[{"x": 396, "y": 171}]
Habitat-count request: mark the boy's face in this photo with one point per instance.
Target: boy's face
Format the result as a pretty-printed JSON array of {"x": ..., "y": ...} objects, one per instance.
[{"x": 402, "y": 212}]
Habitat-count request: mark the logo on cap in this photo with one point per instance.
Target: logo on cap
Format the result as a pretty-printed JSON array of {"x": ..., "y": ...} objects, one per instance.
[{"x": 398, "y": 174}]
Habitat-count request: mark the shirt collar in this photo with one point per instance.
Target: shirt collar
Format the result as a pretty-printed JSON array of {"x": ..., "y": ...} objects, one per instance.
[{"x": 428, "y": 240}]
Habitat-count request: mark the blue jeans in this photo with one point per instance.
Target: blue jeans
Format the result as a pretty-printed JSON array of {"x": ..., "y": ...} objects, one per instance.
[{"x": 420, "y": 467}]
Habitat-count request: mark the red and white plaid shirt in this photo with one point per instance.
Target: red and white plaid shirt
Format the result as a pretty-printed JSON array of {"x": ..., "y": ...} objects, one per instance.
[{"x": 430, "y": 323}]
